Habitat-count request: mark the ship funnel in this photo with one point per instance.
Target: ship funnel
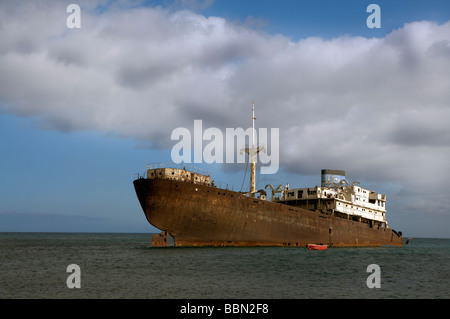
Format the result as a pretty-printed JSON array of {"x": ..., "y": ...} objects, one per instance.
[{"x": 332, "y": 176}]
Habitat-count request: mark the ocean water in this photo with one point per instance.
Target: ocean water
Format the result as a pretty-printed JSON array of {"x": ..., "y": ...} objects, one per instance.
[{"x": 34, "y": 266}]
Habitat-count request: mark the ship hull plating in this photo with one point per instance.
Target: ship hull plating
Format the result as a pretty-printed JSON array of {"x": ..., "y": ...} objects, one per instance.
[{"x": 199, "y": 215}]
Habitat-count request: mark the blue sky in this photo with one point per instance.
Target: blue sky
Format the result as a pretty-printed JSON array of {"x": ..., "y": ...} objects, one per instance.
[
  {"x": 81, "y": 111},
  {"x": 328, "y": 18}
]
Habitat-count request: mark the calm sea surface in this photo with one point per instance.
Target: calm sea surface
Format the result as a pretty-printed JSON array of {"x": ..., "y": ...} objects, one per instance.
[{"x": 34, "y": 265}]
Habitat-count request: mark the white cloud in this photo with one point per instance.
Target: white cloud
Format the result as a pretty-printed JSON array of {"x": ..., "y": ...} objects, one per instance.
[{"x": 377, "y": 107}]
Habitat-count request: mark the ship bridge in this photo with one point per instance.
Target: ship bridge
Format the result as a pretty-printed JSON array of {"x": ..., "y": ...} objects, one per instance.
[{"x": 337, "y": 197}]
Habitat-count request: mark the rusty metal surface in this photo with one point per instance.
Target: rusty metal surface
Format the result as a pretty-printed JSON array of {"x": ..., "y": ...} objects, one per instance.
[
  {"x": 160, "y": 240},
  {"x": 199, "y": 215}
]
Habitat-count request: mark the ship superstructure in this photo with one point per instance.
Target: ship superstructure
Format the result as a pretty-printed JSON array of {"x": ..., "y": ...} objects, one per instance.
[{"x": 337, "y": 197}]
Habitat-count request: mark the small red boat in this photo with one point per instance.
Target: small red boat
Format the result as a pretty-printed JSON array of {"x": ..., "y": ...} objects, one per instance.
[{"x": 317, "y": 247}]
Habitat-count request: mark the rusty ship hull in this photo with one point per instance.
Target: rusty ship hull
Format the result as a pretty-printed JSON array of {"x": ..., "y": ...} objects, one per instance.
[{"x": 203, "y": 215}]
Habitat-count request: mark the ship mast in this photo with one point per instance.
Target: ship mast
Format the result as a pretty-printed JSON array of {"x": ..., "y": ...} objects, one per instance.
[{"x": 252, "y": 155}]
